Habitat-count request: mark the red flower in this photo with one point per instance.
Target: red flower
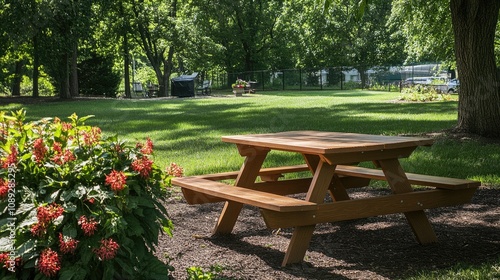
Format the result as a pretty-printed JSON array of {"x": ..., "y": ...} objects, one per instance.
[
  {"x": 11, "y": 158},
  {"x": 49, "y": 263},
  {"x": 4, "y": 257},
  {"x": 39, "y": 150},
  {"x": 67, "y": 245},
  {"x": 46, "y": 214},
  {"x": 147, "y": 148},
  {"x": 68, "y": 156},
  {"x": 92, "y": 137},
  {"x": 67, "y": 126},
  {"x": 4, "y": 188},
  {"x": 107, "y": 250},
  {"x": 57, "y": 147},
  {"x": 116, "y": 180},
  {"x": 89, "y": 226},
  {"x": 61, "y": 157},
  {"x": 38, "y": 229},
  {"x": 174, "y": 170},
  {"x": 5, "y": 261},
  {"x": 143, "y": 166}
]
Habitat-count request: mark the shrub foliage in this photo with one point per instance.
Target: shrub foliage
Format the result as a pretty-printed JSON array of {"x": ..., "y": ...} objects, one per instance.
[
  {"x": 76, "y": 204},
  {"x": 423, "y": 93}
]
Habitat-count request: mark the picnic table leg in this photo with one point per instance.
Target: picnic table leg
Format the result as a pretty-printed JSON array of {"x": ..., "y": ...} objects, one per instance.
[
  {"x": 302, "y": 235},
  {"x": 246, "y": 178},
  {"x": 337, "y": 189},
  {"x": 398, "y": 182}
]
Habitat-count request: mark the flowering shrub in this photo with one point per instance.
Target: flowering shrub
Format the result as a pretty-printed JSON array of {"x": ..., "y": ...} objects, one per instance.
[
  {"x": 77, "y": 205},
  {"x": 422, "y": 93},
  {"x": 240, "y": 84}
]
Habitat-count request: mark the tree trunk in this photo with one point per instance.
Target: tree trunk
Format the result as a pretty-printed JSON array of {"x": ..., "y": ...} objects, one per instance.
[
  {"x": 16, "y": 83},
  {"x": 36, "y": 65},
  {"x": 167, "y": 71},
  {"x": 126, "y": 66},
  {"x": 126, "y": 55},
  {"x": 362, "y": 76},
  {"x": 63, "y": 82},
  {"x": 474, "y": 23},
  {"x": 74, "y": 91}
]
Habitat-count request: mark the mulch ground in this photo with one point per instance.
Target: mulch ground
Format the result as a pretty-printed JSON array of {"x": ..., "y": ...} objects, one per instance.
[{"x": 381, "y": 247}]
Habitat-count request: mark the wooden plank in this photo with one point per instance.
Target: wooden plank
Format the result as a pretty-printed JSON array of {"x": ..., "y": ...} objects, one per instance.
[
  {"x": 284, "y": 187},
  {"x": 321, "y": 142},
  {"x": 396, "y": 177},
  {"x": 368, "y": 207},
  {"x": 244, "y": 195},
  {"x": 337, "y": 189},
  {"x": 414, "y": 179},
  {"x": 263, "y": 172},
  {"x": 219, "y": 176},
  {"x": 347, "y": 158},
  {"x": 254, "y": 157},
  {"x": 302, "y": 235},
  {"x": 284, "y": 169},
  {"x": 193, "y": 197},
  {"x": 298, "y": 245}
]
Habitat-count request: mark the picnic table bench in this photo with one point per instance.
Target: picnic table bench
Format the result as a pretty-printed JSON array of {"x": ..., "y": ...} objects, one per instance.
[{"x": 329, "y": 157}]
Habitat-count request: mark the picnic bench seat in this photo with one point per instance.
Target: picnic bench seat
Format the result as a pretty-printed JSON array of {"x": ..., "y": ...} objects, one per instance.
[
  {"x": 266, "y": 174},
  {"x": 272, "y": 174},
  {"x": 205, "y": 188},
  {"x": 205, "y": 88},
  {"x": 248, "y": 196},
  {"x": 414, "y": 179}
]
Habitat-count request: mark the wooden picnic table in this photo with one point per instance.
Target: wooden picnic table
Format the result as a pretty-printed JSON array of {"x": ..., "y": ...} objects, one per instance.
[{"x": 330, "y": 157}]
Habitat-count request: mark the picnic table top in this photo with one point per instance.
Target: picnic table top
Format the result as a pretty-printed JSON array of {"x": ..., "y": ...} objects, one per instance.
[{"x": 321, "y": 142}]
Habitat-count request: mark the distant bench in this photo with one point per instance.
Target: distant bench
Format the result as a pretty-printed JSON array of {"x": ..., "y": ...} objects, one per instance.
[
  {"x": 269, "y": 194},
  {"x": 205, "y": 88}
]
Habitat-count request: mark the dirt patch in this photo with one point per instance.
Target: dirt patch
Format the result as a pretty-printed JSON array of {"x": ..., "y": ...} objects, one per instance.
[{"x": 381, "y": 247}]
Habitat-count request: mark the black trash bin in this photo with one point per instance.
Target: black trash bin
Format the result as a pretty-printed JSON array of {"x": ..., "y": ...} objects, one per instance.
[{"x": 183, "y": 86}]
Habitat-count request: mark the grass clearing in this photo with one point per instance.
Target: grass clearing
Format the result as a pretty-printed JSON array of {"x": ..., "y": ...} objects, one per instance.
[{"x": 188, "y": 130}]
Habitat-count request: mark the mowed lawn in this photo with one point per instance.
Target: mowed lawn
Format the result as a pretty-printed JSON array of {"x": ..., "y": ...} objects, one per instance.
[{"x": 188, "y": 130}]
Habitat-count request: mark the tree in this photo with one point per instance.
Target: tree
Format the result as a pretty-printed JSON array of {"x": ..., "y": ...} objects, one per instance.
[
  {"x": 368, "y": 40},
  {"x": 474, "y": 24},
  {"x": 244, "y": 31},
  {"x": 154, "y": 29}
]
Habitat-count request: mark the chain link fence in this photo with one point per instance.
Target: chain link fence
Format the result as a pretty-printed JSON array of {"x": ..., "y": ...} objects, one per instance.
[{"x": 331, "y": 78}]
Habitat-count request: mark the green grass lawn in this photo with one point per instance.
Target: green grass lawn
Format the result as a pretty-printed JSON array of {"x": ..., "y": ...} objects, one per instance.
[{"x": 188, "y": 131}]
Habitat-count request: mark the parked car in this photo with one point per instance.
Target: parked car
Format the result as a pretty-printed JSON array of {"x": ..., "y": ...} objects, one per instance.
[
  {"x": 453, "y": 85},
  {"x": 438, "y": 83}
]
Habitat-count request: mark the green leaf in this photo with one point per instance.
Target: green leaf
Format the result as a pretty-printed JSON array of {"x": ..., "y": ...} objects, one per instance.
[
  {"x": 83, "y": 119},
  {"x": 109, "y": 270},
  {"x": 134, "y": 226},
  {"x": 29, "y": 220},
  {"x": 24, "y": 208},
  {"x": 5, "y": 244},
  {"x": 153, "y": 269},
  {"x": 126, "y": 267},
  {"x": 69, "y": 230}
]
